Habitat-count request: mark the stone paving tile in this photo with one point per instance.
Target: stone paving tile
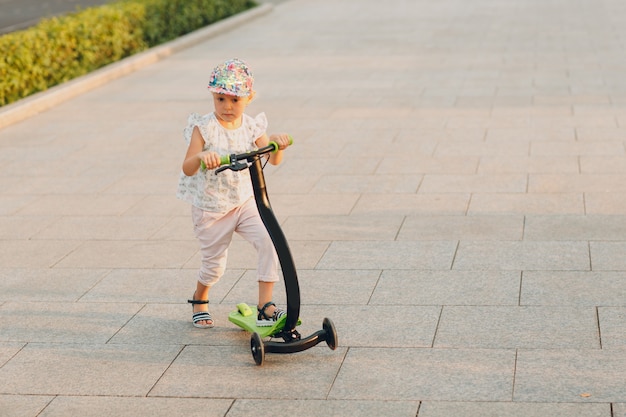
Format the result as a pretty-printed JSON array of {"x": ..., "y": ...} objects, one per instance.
[
  {"x": 10, "y": 204},
  {"x": 174, "y": 228},
  {"x": 314, "y": 204},
  {"x": 306, "y": 254},
  {"x": 594, "y": 134},
  {"x": 137, "y": 184},
  {"x": 612, "y": 322},
  {"x": 315, "y": 408},
  {"x": 572, "y": 288},
  {"x": 570, "y": 375},
  {"x": 565, "y": 148},
  {"x": 388, "y": 330},
  {"x": 418, "y": 287},
  {"x": 394, "y": 255},
  {"x": 8, "y": 350},
  {"x": 63, "y": 322},
  {"x": 319, "y": 287},
  {"x": 523, "y": 255},
  {"x": 323, "y": 166},
  {"x": 51, "y": 285},
  {"x": 127, "y": 254},
  {"x": 338, "y": 287},
  {"x": 86, "y": 369},
  {"x": 239, "y": 377},
  {"x": 532, "y": 133},
  {"x": 590, "y": 227},
  {"x": 302, "y": 183},
  {"x": 482, "y": 227},
  {"x": 80, "y": 205},
  {"x": 605, "y": 203},
  {"x": 348, "y": 139},
  {"x": 335, "y": 228},
  {"x": 503, "y": 164},
  {"x": 576, "y": 183},
  {"x": 412, "y": 204},
  {"x": 59, "y": 185},
  {"x": 125, "y": 406},
  {"x": 426, "y": 374},
  {"x": 619, "y": 410},
  {"x": 608, "y": 256},
  {"x": 23, "y": 228},
  {"x": 482, "y": 147},
  {"x": 440, "y": 134},
  {"x": 170, "y": 324},
  {"x": 521, "y": 203},
  {"x": 400, "y": 145},
  {"x": 23, "y": 405},
  {"x": 34, "y": 254},
  {"x": 505, "y": 327},
  {"x": 389, "y": 183},
  {"x": 155, "y": 205},
  {"x": 480, "y": 183},
  {"x": 512, "y": 409},
  {"x": 421, "y": 164},
  {"x": 102, "y": 228},
  {"x": 165, "y": 286},
  {"x": 606, "y": 164}
]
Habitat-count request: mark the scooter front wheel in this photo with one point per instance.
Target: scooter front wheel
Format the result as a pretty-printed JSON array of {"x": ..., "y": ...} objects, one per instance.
[
  {"x": 257, "y": 348},
  {"x": 331, "y": 333}
]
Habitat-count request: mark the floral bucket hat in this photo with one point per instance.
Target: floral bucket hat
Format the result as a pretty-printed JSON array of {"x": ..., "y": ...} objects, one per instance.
[{"x": 233, "y": 77}]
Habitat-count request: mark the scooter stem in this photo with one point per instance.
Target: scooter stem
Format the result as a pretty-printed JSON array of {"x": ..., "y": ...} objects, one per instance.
[{"x": 292, "y": 288}]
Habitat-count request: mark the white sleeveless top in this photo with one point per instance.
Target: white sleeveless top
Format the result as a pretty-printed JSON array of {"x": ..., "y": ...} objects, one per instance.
[{"x": 221, "y": 192}]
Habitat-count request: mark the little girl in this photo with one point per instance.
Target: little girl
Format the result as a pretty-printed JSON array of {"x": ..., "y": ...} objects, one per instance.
[{"x": 223, "y": 203}]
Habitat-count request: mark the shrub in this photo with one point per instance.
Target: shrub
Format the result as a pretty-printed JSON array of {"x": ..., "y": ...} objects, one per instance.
[{"x": 59, "y": 49}]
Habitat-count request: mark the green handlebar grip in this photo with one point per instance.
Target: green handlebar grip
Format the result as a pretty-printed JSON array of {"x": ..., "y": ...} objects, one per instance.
[
  {"x": 275, "y": 145},
  {"x": 224, "y": 160}
]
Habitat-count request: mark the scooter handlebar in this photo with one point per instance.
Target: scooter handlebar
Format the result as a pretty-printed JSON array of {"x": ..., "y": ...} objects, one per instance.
[{"x": 226, "y": 159}]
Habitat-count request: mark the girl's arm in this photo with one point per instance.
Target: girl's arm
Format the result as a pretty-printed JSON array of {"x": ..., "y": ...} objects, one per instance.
[
  {"x": 195, "y": 155},
  {"x": 281, "y": 139}
]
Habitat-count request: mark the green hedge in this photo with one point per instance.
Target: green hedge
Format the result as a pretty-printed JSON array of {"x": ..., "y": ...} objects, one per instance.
[{"x": 59, "y": 49}]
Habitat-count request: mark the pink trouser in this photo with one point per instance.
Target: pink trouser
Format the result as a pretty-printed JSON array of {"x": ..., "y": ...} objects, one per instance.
[{"x": 215, "y": 232}]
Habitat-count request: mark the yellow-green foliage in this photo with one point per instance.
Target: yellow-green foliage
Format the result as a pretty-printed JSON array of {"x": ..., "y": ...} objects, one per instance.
[{"x": 62, "y": 48}]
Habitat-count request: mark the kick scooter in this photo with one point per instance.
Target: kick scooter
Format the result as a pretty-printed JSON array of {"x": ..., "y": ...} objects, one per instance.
[{"x": 244, "y": 317}]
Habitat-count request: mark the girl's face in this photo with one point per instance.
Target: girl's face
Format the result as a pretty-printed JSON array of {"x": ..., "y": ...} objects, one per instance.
[{"x": 229, "y": 109}]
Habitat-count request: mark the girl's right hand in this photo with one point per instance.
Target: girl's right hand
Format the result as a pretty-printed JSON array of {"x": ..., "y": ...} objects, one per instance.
[{"x": 211, "y": 159}]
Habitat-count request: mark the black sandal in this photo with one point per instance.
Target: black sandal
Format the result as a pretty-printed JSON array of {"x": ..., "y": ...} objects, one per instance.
[
  {"x": 200, "y": 315},
  {"x": 263, "y": 320}
]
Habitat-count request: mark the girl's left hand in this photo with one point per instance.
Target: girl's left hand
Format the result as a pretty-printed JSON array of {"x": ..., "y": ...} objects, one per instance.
[{"x": 282, "y": 139}]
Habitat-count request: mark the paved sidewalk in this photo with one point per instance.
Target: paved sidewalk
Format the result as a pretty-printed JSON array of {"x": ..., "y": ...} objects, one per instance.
[{"x": 455, "y": 202}]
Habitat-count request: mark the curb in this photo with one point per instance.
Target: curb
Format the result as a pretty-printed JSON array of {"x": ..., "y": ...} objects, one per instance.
[{"x": 47, "y": 99}]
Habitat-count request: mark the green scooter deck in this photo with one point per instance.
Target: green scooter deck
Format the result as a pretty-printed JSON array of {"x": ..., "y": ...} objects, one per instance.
[{"x": 245, "y": 318}]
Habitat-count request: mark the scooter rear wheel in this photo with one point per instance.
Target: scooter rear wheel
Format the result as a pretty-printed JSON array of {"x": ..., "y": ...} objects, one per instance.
[
  {"x": 331, "y": 333},
  {"x": 257, "y": 348}
]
